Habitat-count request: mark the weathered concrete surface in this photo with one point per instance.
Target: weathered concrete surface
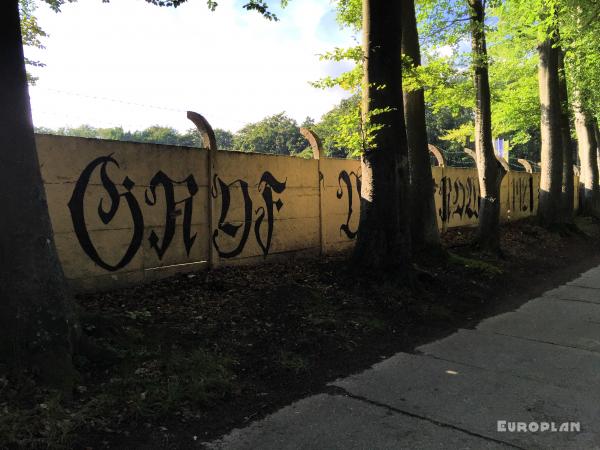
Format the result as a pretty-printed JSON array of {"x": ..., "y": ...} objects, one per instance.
[
  {"x": 537, "y": 364},
  {"x": 567, "y": 309},
  {"x": 592, "y": 273},
  {"x": 561, "y": 322},
  {"x": 590, "y": 279},
  {"x": 565, "y": 367},
  {"x": 580, "y": 290},
  {"x": 339, "y": 422},
  {"x": 475, "y": 399}
]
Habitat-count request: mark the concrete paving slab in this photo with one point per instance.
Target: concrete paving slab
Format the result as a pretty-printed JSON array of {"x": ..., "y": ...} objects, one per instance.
[
  {"x": 476, "y": 399},
  {"x": 561, "y": 366},
  {"x": 553, "y": 329},
  {"x": 572, "y": 292},
  {"x": 548, "y": 307},
  {"x": 339, "y": 422},
  {"x": 589, "y": 282},
  {"x": 592, "y": 273},
  {"x": 538, "y": 364}
]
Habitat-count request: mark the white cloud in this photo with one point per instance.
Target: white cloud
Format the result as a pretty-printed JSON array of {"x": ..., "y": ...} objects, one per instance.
[{"x": 232, "y": 66}]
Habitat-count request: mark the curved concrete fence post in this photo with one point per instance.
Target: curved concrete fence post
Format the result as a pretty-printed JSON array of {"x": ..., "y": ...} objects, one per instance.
[
  {"x": 439, "y": 156},
  {"x": 526, "y": 165},
  {"x": 500, "y": 160},
  {"x": 205, "y": 129},
  {"x": 317, "y": 147},
  {"x": 472, "y": 154},
  {"x": 209, "y": 141},
  {"x": 503, "y": 163},
  {"x": 577, "y": 176},
  {"x": 314, "y": 141}
]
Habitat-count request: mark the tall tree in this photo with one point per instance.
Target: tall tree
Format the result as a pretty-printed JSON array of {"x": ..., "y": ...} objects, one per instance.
[
  {"x": 489, "y": 169},
  {"x": 568, "y": 199},
  {"x": 383, "y": 241},
  {"x": 37, "y": 319},
  {"x": 36, "y": 311},
  {"x": 581, "y": 27},
  {"x": 423, "y": 220},
  {"x": 588, "y": 158},
  {"x": 549, "y": 210}
]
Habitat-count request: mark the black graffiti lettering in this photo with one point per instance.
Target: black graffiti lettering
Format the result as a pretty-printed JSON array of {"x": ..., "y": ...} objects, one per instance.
[
  {"x": 76, "y": 207},
  {"x": 228, "y": 228},
  {"x": 267, "y": 184},
  {"x": 445, "y": 188},
  {"x": 531, "y": 201},
  {"x": 522, "y": 198},
  {"x": 459, "y": 189},
  {"x": 171, "y": 212},
  {"x": 514, "y": 196},
  {"x": 472, "y": 207},
  {"x": 346, "y": 179},
  {"x": 458, "y": 198},
  {"x": 523, "y": 187}
]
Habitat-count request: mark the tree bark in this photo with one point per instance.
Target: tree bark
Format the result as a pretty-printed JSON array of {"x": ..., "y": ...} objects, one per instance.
[
  {"x": 549, "y": 211},
  {"x": 567, "y": 144},
  {"x": 423, "y": 220},
  {"x": 489, "y": 169},
  {"x": 597, "y": 136},
  {"x": 383, "y": 241},
  {"x": 587, "y": 148},
  {"x": 36, "y": 314}
]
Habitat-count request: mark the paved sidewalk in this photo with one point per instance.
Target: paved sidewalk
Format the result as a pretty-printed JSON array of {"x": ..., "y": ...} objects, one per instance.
[{"x": 540, "y": 363}]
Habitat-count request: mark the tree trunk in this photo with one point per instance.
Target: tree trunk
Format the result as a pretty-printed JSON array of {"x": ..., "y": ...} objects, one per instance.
[
  {"x": 383, "y": 241},
  {"x": 489, "y": 169},
  {"x": 423, "y": 220},
  {"x": 36, "y": 314},
  {"x": 587, "y": 148},
  {"x": 597, "y": 136},
  {"x": 567, "y": 145},
  {"x": 549, "y": 211}
]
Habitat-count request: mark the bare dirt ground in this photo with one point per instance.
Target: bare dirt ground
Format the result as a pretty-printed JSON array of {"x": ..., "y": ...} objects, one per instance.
[{"x": 180, "y": 361}]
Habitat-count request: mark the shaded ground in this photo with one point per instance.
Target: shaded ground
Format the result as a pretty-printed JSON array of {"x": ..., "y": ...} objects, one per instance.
[{"x": 181, "y": 361}]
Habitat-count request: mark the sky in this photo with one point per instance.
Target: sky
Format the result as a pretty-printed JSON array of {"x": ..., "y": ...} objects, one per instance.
[{"x": 131, "y": 64}]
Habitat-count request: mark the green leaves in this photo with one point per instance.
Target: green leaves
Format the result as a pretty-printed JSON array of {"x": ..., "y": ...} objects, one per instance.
[
  {"x": 339, "y": 129},
  {"x": 277, "y": 134},
  {"x": 349, "y": 13},
  {"x": 32, "y": 34},
  {"x": 260, "y": 6}
]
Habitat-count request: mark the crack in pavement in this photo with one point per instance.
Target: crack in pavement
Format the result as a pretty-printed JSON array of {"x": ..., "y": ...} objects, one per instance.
[{"x": 336, "y": 390}]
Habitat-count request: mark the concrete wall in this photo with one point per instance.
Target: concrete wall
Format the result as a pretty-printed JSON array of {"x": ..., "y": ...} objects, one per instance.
[
  {"x": 263, "y": 205},
  {"x": 126, "y": 212},
  {"x": 339, "y": 181}
]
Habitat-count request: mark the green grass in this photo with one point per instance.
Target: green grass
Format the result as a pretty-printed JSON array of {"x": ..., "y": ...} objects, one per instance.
[
  {"x": 292, "y": 361},
  {"x": 476, "y": 264},
  {"x": 151, "y": 386}
]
